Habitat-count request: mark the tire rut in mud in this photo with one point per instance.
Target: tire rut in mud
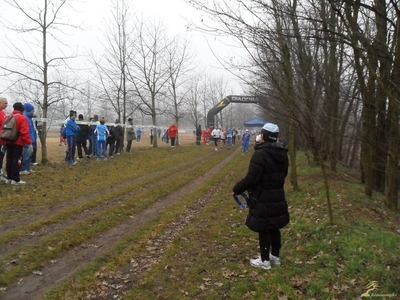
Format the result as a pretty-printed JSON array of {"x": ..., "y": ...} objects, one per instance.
[
  {"x": 81, "y": 200},
  {"x": 51, "y": 228}
]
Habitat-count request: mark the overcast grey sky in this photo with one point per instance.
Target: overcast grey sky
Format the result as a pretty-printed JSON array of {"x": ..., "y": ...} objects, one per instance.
[{"x": 173, "y": 14}]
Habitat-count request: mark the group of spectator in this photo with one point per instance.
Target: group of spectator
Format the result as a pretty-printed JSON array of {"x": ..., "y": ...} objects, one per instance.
[
  {"x": 104, "y": 140},
  {"x": 93, "y": 137},
  {"x": 20, "y": 154},
  {"x": 89, "y": 138},
  {"x": 168, "y": 135}
]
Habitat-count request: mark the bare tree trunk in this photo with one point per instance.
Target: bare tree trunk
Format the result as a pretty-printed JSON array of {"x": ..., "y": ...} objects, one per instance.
[
  {"x": 394, "y": 132},
  {"x": 45, "y": 85}
]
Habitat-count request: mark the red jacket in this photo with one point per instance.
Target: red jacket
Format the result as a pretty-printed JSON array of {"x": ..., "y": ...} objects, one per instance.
[
  {"x": 3, "y": 116},
  {"x": 23, "y": 128},
  {"x": 172, "y": 130}
]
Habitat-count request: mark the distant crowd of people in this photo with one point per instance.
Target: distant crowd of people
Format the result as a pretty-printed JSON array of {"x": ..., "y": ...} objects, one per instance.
[
  {"x": 92, "y": 138},
  {"x": 105, "y": 141},
  {"x": 225, "y": 137}
]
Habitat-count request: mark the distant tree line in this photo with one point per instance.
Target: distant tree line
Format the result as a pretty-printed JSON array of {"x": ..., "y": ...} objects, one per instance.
[{"x": 137, "y": 69}]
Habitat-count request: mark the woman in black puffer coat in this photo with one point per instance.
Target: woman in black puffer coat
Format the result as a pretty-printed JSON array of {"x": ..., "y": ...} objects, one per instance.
[{"x": 268, "y": 209}]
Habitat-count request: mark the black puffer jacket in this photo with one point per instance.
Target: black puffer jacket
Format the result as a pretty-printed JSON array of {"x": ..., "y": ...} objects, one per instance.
[
  {"x": 118, "y": 132},
  {"x": 264, "y": 181}
]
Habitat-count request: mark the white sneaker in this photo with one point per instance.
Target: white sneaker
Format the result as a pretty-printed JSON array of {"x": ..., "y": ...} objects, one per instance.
[
  {"x": 3, "y": 179},
  {"x": 25, "y": 172},
  {"x": 13, "y": 182},
  {"x": 257, "y": 262},
  {"x": 34, "y": 164},
  {"x": 274, "y": 260}
]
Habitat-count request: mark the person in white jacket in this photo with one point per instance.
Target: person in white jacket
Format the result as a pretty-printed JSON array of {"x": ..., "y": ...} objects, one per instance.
[{"x": 216, "y": 135}]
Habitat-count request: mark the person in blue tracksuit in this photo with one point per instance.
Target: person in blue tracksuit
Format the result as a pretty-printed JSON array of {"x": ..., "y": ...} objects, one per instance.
[
  {"x": 71, "y": 131},
  {"x": 26, "y": 155},
  {"x": 229, "y": 134},
  {"x": 101, "y": 132},
  {"x": 246, "y": 140},
  {"x": 138, "y": 135}
]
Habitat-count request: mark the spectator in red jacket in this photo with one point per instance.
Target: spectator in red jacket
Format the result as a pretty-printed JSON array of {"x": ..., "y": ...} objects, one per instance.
[
  {"x": 3, "y": 116},
  {"x": 204, "y": 136},
  {"x": 14, "y": 149},
  {"x": 208, "y": 135},
  {"x": 172, "y": 133}
]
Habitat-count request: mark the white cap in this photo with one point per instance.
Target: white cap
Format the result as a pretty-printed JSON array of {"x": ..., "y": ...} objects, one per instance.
[
  {"x": 247, "y": 130},
  {"x": 271, "y": 127}
]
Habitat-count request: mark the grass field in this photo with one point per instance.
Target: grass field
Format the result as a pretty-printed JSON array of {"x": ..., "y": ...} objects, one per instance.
[{"x": 162, "y": 224}]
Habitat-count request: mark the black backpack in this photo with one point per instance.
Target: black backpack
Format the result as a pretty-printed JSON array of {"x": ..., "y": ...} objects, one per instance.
[{"x": 9, "y": 132}]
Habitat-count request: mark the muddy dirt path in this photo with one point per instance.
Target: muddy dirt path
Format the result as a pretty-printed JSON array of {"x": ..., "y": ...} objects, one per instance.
[
  {"x": 49, "y": 228},
  {"x": 34, "y": 286},
  {"x": 81, "y": 200}
]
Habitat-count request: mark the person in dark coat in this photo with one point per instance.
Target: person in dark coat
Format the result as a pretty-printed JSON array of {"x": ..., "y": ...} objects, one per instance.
[
  {"x": 268, "y": 209},
  {"x": 111, "y": 141},
  {"x": 130, "y": 135},
  {"x": 83, "y": 135},
  {"x": 198, "y": 135},
  {"x": 118, "y": 135}
]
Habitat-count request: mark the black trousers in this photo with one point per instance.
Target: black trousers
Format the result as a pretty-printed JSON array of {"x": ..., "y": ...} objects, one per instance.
[
  {"x": 216, "y": 142},
  {"x": 128, "y": 146},
  {"x": 270, "y": 241},
  {"x": 14, "y": 160},
  {"x": 81, "y": 144},
  {"x": 34, "y": 153},
  {"x": 2, "y": 154},
  {"x": 118, "y": 144}
]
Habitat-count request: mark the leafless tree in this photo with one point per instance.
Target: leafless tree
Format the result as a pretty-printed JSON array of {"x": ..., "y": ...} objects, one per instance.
[
  {"x": 148, "y": 69},
  {"x": 111, "y": 67},
  {"x": 193, "y": 101},
  {"x": 44, "y": 22},
  {"x": 179, "y": 59}
]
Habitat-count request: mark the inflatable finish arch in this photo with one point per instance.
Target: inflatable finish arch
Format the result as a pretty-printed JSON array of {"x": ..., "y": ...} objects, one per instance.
[{"x": 224, "y": 103}]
